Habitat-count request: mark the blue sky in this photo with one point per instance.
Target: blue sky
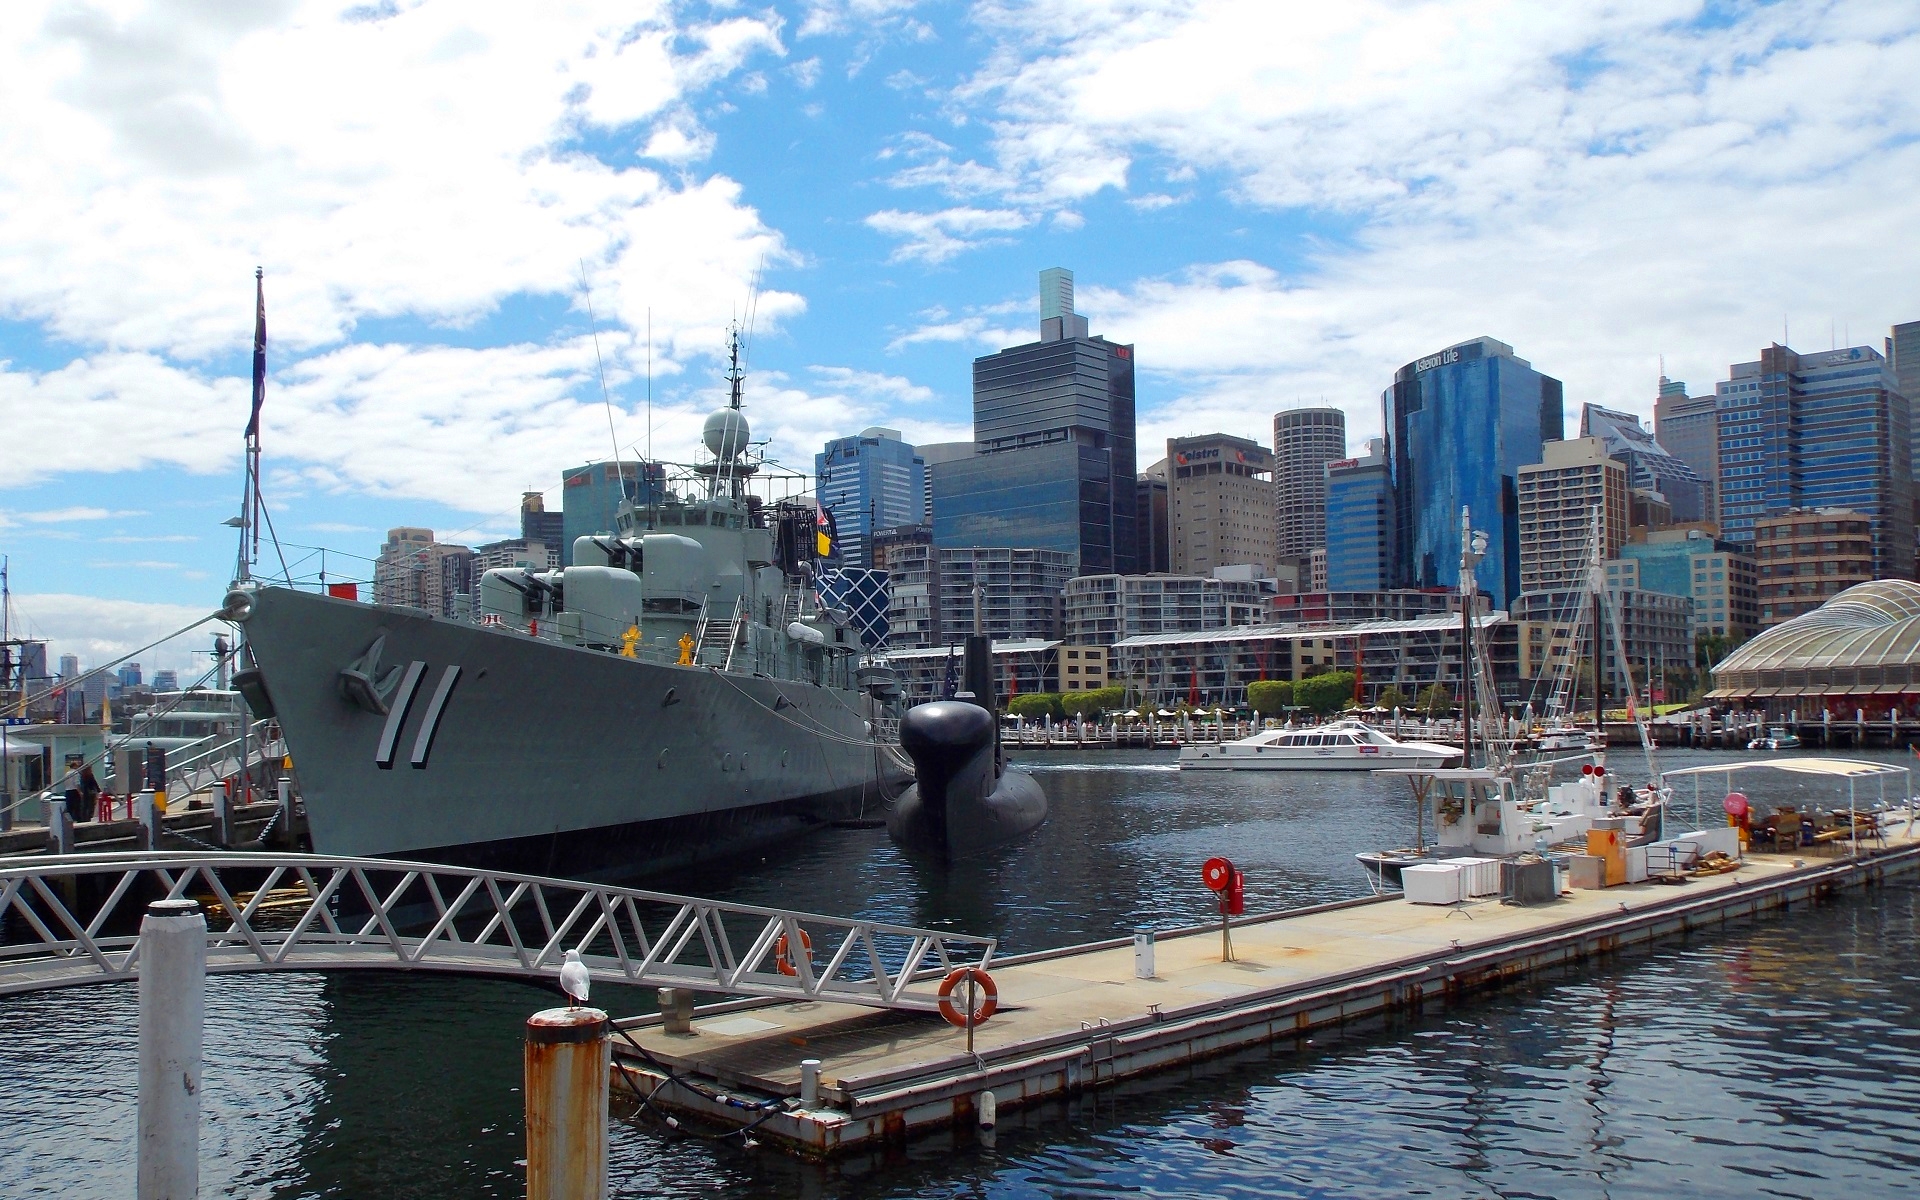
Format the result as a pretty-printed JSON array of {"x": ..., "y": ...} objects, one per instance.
[{"x": 1275, "y": 202}]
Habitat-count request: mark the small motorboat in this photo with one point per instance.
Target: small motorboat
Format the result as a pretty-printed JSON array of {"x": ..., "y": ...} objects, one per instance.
[
  {"x": 1561, "y": 739},
  {"x": 1778, "y": 737},
  {"x": 1340, "y": 746}
]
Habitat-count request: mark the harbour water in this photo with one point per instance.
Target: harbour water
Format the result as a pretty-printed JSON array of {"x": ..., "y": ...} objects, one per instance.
[{"x": 1778, "y": 1058}]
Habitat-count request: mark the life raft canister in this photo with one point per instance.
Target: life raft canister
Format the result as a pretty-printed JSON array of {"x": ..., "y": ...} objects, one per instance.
[{"x": 989, "y": 997}]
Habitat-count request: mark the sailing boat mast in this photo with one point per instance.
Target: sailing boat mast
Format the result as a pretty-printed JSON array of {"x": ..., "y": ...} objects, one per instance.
[
  {"x": 1473, "y": 547},
  {"x": 1596, "y": 590}
]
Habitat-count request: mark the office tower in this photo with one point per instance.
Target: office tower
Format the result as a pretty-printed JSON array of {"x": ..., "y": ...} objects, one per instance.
[
  {"x": 529, "y": 554},
  {"x": 1219, "y": 504},
  {"x": 590, "y": 497},
  {"x": 166, "y": 680},
  {"x": 1558, "y": 496},
  {"x": 1717, "y": 574},
  {"x": 1650, "y": 467},
  {"x": 935, "y": 453},
  {"x": 1811, "y": 431},
  {"x": 1055, "y": 467},
  {"x": 869, "y": 482},
  {"x": 416, "y": 571},
  {"x": 1305, "y": 440},
  {"x": 1155, "y": 553},
  {"x": 69, "y": 666},
  {"x": 129, "y": 675},
  {"x": 1807, "y": 557},
  {"x": 1903, "y": 355},
  {"x": 1460, "y": 423},
  {"x": 539, "y": 525},
  {"x": 1360, "y": 520},
  {"x": 1689, "y": 428}
]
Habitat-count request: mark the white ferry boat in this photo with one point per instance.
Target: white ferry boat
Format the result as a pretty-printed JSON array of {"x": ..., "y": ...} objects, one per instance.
[{"x": 1341, "y": 746}]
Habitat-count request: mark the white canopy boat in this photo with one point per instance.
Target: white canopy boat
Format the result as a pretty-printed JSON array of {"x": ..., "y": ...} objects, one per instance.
[{"x": 1340, "y": 746}]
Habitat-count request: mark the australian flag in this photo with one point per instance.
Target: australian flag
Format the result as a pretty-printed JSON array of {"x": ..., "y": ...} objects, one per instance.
[{"x": 259, "y": 353}]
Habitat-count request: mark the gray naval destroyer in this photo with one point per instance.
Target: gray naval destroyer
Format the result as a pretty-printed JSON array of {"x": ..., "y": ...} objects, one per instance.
[{"x": 676, "y": 695}]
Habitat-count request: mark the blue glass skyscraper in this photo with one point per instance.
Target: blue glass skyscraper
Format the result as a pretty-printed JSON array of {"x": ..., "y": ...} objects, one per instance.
[
  {"x": 873, "y": 481},
  {"x": 590, "y": 497},
  {"x": 1460, "y": 424},
  {"x": 1818, "y": 431},
  {"x": 1360, "y": 522},
  {"x": 1054, "y": 424}
]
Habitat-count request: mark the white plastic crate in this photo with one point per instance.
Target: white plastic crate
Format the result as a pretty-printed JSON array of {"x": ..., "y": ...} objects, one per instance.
[
  {"x": 1432, "y": 883},
  {"x": 1478, "y": 876}
]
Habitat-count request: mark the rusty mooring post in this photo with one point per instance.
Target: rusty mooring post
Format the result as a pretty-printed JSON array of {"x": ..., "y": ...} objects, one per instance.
[{"x": 569, "y": 1069}]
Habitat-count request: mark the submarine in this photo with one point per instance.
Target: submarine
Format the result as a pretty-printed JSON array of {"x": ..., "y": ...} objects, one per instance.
[{"x": 964, "y": 799}]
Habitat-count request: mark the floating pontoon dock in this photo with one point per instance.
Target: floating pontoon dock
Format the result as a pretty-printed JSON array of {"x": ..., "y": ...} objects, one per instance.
[{"x": 1078, "y": 1018}]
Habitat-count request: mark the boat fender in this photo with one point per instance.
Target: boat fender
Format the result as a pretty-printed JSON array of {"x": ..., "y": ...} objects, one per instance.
[
  {"x": 989, "y": 997},
  {"x": 782, "y": 961}
]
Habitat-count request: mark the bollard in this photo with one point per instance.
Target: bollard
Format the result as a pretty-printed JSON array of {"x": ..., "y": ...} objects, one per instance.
[
  {"x": 809, "y": 1082},
  {"x": 676, "y": 1010},
  {"x": 173, "y": 997},
  {"x": 283, "y": 791},
  {"x": 150, "y": 823},
  {"x": 59, "y": 827},
  {"x": 223, "y": 813},
  {"x": 1143, "y": 954},
  {"x": 569, "y": 1068}
]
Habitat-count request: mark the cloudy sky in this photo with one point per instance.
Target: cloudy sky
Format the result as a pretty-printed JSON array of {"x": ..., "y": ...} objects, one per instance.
[{"x": 1276, "y": 202}]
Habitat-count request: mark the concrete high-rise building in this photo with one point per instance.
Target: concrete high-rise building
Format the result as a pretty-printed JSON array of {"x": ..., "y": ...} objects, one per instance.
[
  {"x": 416, "y": 571},
  {"x": 931, "y": 601},
  {"x": 1054, "y": 425},
  {"x": 1460, "y": 423},
  {"x": 1305, "y": 440},
  {"x": 869, "y": 482},
  {"x": 166, "y": 679},
  {"x": 1720, "y": 577},
  {"x": 1806, "y": 557},
  {"x": 1823, "y": 430},
  {"x": 1558, "y": 496},
  {"x": 1219, "y": 504},
  {"x": 590, "y": 497},
  {"x": 1360, "y": 519},
  {"x": 1650, "y": 467},
  {"x": 1156, "y": 550},
  {"x": 69, "y": 666},
  {"x": 1689, "y": 428},
  {"x": 524, "y": 553},
  {"x": 539, "y": 525},
  {"x": 1103, "y": 609}
]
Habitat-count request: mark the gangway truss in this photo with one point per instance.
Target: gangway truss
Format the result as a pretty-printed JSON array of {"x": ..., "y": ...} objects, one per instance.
[{"x": 286, "y": 912}]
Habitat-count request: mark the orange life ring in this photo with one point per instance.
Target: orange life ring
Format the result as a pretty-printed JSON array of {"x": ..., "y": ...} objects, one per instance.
[
  {"x": 782, "y": 961},
  {"x": 990, "y": 996}
]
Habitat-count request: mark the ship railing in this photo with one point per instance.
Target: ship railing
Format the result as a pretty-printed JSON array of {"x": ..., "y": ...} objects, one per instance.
[{"x": 268, "y": 912}]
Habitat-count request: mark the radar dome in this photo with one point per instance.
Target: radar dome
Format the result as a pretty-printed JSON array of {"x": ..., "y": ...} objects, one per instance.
[{"x": 725, "y": 433}]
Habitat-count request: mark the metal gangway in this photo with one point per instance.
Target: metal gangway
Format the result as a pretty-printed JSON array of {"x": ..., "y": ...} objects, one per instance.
[{"x": 283, "y": 912}]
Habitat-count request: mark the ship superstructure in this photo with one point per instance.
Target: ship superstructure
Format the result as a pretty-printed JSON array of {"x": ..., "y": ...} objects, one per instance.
[{"x": 676, "y": 694}]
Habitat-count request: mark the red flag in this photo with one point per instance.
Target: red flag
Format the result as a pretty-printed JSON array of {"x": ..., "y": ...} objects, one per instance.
[{"x": 344, "y": 591}]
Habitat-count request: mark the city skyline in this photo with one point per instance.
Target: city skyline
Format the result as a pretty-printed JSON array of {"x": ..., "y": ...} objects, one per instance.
[{"x": 889, "y": 172}]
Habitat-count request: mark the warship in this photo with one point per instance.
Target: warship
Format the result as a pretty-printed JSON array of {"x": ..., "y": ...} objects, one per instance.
[{"x": 677, "y": 694}]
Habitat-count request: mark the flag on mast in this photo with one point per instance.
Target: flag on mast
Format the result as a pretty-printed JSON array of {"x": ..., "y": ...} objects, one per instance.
[{"x": 259, "y": 352}]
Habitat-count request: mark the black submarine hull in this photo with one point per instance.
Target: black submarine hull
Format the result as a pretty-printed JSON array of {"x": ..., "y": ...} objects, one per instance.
[{"x": 964, "y": 800}]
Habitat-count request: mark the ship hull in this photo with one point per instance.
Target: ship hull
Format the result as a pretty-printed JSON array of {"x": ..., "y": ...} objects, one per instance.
[{"x": 508, "y": 751}]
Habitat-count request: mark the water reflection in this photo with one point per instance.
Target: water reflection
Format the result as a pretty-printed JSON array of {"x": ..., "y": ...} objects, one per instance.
[{"x": 1777, "y": 1059}]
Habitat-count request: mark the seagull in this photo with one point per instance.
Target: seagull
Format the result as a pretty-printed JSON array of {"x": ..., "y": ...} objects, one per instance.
[{"x": 574, "y": 979}]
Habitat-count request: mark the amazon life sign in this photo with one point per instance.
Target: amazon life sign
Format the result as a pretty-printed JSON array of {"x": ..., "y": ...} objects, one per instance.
[{"x": 1444, "y": 358}]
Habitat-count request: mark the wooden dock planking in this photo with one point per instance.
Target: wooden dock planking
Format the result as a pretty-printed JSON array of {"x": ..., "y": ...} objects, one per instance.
[{"x": 1078, "y": 1018}]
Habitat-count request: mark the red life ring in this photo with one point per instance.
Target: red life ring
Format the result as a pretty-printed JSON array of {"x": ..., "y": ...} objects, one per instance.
[
  {"x": 782, "y": 961},
  {"x": 989, "y": 1001}
]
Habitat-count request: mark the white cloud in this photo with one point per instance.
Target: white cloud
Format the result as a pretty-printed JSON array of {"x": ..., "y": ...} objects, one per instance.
[
  {"x": 874, "y": 385},
  {"x": 417, "y": 165},
  {"x": 1593, "y": 184},
  {"x": 60, "y": 516},
  {"x": 840, "y": 16},
  {"x": 101, "y": 630},
  {"x": 935, "y": 237}
]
